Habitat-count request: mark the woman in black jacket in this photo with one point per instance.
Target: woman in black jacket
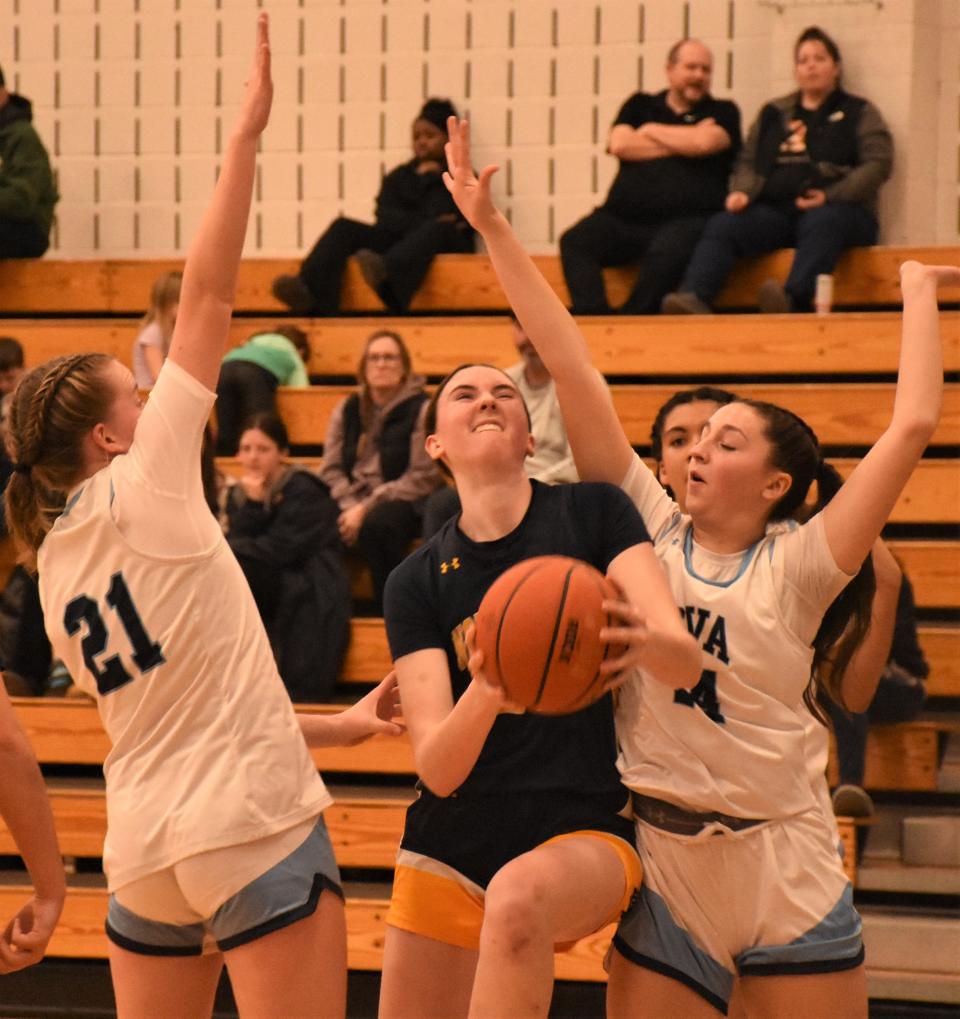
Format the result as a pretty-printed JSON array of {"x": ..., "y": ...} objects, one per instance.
[
  {"x": 281, "y": 524},
  {"x": 807, "y": 177},
  {"x": 415, "y": 220}
]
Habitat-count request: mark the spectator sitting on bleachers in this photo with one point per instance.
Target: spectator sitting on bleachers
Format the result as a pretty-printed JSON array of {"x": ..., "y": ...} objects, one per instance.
[
  {"x": 551, "y": 461},
  {"x": 675, "y": 149},
  {"x": 415, "y": 220},
  {"x": 807, "y": 177},
  {"x": 374, "y": 459},
  {"x": 900, "y": 693},
  {"x": 281, "y": 524},
  {"x": 156, "y": 329},
  {"x": 27, "y": 190},
  {"x": 249, "y": 377}
]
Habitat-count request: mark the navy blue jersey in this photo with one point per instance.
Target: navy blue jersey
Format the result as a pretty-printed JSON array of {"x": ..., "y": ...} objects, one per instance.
[{"x": 434, "y": 592}]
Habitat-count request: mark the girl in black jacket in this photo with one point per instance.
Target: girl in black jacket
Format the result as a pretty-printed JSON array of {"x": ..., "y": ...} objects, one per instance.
[
  {"x": 281, "y": 524},
  {"x": 415, "y": 220}
]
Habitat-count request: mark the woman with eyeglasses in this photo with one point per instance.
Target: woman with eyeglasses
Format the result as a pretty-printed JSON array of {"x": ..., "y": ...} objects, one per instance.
[{"x": 374, "y": 459}]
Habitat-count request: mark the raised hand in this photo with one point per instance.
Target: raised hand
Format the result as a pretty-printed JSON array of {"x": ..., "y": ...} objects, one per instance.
[
  {"x": 913, "y": 273},
  {"x": 470, "y": 192},
  {"x": 258, "y": 91}
]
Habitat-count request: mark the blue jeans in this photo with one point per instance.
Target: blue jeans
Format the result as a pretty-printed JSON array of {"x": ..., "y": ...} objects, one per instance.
[{"x": 819, "y": 235}]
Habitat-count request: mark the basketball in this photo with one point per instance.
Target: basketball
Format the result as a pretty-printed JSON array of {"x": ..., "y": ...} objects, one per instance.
[{"x": 539, "y": 629}]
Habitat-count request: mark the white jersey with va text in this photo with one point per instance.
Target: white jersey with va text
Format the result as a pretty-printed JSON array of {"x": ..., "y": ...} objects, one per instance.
[
  {"x": 738, "y": 741},
  {"x": 149, "y": 610}
]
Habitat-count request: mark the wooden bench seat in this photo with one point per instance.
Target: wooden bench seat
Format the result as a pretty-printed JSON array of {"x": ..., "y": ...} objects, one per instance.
[
  {"x": 931, "y": 496},
  {"x": 727, "y": 345},
  {"x": 863, "y": 277},
  {"x": 368, "y": 658},
  {"x": 853, "y": 414},
  {"x": 364, "y": 823},
  {"x": 69, "y": 732}
]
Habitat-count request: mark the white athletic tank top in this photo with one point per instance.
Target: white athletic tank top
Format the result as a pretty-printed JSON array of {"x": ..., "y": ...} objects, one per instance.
[
  {"x": 151, "y": 614},
  {"x": 736, "y": 743}
]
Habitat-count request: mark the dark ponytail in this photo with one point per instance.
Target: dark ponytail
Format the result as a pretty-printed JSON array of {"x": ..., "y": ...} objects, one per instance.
[{"x": 796, "y": 451}]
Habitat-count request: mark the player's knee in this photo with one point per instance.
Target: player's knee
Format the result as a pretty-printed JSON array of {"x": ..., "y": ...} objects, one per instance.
[{"x": 514, "y": 913}]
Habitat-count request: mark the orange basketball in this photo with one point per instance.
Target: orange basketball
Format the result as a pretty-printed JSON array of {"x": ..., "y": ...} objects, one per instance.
[{"x": 539, "y": 629}]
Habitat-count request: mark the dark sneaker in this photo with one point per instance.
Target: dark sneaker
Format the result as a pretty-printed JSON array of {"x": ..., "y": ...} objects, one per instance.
[
  {"x": 373, "y": 268},
  {"x": 772, "y": 299},
  {"x": 852, "y": 801},
  {"x": 293, "y": 292},
  {"x": 684, "y": 302}
]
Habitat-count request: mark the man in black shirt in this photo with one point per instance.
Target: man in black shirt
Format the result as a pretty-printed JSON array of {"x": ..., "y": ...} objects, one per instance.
[{"x": 676, "y": 150}]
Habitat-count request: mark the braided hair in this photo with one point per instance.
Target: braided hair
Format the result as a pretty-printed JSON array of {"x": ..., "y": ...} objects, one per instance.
[
  {"x": 53, "y": 410},
  {"x": 795, "y": 450}
]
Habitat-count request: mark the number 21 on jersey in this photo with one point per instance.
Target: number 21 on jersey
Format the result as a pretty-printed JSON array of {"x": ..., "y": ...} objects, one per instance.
[{"x": 111, "y": 674}]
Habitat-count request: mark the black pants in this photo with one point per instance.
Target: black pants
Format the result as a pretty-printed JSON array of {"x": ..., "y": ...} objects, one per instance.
[
  {"x": 384, "y": 539},
  {"x": 603, "y": 239},
  {"x": 899, "y": 698},
  {"x": 408, "y": 257},
  {"x": 20, "y": 239},
  {"x": 243, "y": 389}
]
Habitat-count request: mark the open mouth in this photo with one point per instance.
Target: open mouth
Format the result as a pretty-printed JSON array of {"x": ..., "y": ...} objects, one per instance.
[{"x": 489, "y": 426}]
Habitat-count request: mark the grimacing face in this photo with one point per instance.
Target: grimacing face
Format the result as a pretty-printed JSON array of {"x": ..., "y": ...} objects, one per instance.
[{"x": 481, "y": 418}]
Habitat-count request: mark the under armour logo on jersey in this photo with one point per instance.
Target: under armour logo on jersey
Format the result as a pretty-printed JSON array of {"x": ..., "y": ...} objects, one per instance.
[{"x": 454, "y": 564}]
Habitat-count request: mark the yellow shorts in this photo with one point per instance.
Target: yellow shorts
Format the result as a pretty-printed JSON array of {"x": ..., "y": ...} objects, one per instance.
[{"x": 432, "y": 899}]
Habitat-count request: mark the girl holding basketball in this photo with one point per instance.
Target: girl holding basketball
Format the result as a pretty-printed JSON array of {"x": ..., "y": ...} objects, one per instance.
[
  {"x": 518, "y": 841},
  {"x": 215, "y": 848},
  {"x": 741, "y": 874}
]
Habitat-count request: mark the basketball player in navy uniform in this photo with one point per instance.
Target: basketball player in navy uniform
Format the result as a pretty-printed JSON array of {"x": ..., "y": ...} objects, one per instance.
[{"x": 519, "y": 841}]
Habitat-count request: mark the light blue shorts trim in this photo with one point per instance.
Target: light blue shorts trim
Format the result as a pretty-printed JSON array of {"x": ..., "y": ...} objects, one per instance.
[
  {"x": 286, "y": 893},
  {"x": 648, "y": 936}
]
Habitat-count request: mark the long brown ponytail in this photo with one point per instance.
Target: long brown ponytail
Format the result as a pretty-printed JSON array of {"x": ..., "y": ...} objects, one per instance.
[
  {"x": 53, "y": 409},
  {"x": 796, "y": 450}
]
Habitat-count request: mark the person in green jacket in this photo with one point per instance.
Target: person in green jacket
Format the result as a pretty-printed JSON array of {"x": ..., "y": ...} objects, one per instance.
[
  {"x": 249, "y": 376},
  {"x": 27, "y": 189}
]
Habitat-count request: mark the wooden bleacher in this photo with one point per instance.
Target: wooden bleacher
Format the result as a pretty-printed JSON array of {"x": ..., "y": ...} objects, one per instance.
[
  {"x": 863, "y": 277},
  {"x": 365, "y": 825},
  {"x": 686, "y": 346},
  {"x": 849, "y": 414},
  {"x": 839, "y": 351}
]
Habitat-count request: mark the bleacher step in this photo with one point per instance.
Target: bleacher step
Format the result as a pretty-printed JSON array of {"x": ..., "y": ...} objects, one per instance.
[
  {"x": 922, "y": 943},
  {"x": 948, "y": 779},
  {"x": 907, "y": 985},
  {"x": 931, "y": 841}
]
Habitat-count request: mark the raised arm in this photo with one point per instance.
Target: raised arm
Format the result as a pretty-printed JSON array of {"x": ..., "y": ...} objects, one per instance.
[
  {"x": 596, "y": 436},
  {"x": 26, "y": 812},
  {"x": 210, "y": 274},
  {"x": 855, "y": 516},
  {"x": 863, "y": 672}
]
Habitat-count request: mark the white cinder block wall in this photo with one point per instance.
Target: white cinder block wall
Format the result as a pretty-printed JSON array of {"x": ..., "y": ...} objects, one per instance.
[{"x": 135, "y": 99}]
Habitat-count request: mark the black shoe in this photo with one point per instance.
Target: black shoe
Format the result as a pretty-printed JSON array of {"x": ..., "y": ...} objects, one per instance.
[
  {"x": 772, "y": 299},
  {"x": 373, "y": 268},
  {"x": 852, "y": 801},
  {"x": 293, "y": 292},
  {"x": 684, "y": 302}
]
